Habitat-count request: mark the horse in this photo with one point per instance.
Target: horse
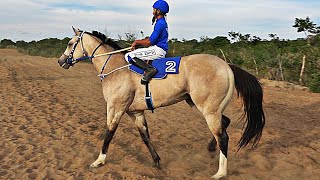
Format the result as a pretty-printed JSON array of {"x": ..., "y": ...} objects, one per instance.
[{"x": 205, "y": 82}]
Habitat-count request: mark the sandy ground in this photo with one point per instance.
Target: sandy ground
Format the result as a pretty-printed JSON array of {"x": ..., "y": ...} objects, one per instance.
[{"x": 52, "y": 121}]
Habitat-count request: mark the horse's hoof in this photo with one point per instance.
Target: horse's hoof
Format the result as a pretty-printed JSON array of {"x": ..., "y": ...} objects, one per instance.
[
  {"x": 157, "y": 164},
  {"x": 218, "y": 176},
  {"x": 100, "y": 161},
  {"x": 156, "y": 160},
  {"x": 96, "y": 164}
]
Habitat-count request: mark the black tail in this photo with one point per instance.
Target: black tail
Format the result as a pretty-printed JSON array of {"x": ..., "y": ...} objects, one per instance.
[{"x": 250, "y": 90}]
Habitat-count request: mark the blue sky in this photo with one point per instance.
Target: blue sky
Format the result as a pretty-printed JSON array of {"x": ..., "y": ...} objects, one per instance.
[{"x": 189, "y": 19}]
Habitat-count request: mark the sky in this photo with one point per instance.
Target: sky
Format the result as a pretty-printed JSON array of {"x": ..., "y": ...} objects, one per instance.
[{"x": 188, "y": 19}]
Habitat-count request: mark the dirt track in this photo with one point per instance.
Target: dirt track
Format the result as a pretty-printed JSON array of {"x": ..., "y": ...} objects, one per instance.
[{"x": 52, "y": 120}]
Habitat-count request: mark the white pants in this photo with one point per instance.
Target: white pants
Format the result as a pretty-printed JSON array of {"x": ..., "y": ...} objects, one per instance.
[{"x": 149, "y": 53}]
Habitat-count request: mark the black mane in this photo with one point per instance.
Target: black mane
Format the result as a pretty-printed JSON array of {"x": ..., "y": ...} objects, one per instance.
[{"x": 106, "y": 40}]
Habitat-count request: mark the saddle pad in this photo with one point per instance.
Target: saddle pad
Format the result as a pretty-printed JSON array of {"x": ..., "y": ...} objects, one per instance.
[{"x": 164, "y": 66}]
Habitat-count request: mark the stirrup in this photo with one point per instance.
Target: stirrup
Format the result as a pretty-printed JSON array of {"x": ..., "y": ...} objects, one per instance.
[
  {"x": 144, "y": 82},
  {"x": 148, "y": 75}
]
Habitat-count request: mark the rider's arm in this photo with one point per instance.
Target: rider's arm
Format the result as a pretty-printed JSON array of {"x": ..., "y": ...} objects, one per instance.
[
  {"x": 159, "y": 27},
  {"x": 143, "y": 42}
]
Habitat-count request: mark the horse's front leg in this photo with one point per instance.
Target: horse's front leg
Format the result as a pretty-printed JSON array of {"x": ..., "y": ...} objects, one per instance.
[{"x": 113, "y": 119}]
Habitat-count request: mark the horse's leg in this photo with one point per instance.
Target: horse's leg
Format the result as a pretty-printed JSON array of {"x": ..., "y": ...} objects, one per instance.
[
  {"x": 218, "y": 129},
  {"x": 212, "y": 146},
  {"x": 113, "y": 119},
  {"x": 141, "y": 124}
]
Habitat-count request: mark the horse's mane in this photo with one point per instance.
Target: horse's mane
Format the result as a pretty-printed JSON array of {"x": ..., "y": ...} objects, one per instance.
[{"x": 106, "y": 40}]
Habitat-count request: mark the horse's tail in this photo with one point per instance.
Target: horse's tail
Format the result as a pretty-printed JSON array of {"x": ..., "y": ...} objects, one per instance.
[{"x": 250, "y": 90}]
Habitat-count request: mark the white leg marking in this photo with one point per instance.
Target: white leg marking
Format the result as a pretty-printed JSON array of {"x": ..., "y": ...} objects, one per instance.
[
  {"x": 222, "y": 172},
  {"x": 100, "y": 161}
]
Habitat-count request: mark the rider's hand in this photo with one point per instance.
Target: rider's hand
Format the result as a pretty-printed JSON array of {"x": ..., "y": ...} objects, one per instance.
[{"x": 133, "y": 45}]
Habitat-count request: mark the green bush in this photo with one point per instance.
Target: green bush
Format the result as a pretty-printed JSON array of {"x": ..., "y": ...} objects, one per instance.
[
  {"x": 314, "y": 82},
  {"x": 6, "y": 43}
]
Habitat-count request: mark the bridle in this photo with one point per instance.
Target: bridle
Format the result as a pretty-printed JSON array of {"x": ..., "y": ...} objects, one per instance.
[{"x": 71, "y": 61}]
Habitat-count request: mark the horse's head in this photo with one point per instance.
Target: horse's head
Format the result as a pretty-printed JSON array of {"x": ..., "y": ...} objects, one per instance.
[{"x": 73, "y": 51}]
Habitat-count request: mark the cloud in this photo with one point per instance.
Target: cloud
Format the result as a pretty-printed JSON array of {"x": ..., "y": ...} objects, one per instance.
[
  {"x": 213, "y": 17},
  {"x": 37, "y": 19}
]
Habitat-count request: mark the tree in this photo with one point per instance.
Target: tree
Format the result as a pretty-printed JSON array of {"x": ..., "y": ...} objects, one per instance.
[
  {"x": 307, "y": 26},
  {"x": 274, "y": 37},
  {"x": 238, "y": 37},
  {"x": 21, "y": 44},
  {"x": 310, "y": 29},
  {"x": 235, "y": 36},
  {"x": 6, "y": 42},
  {"x": 255, "y": 39}
]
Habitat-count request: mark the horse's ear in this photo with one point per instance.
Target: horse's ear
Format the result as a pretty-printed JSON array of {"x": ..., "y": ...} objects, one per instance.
[{"x": 76, "y": 31}]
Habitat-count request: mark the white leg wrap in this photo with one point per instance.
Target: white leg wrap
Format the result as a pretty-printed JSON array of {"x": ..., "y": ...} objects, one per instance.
[
  {"x": 222, "y": 172},
  {"x": 100, "y": 161}
]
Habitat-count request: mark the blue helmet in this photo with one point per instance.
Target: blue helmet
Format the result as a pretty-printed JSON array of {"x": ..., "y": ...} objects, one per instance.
[{"x": 162, "y": 5}]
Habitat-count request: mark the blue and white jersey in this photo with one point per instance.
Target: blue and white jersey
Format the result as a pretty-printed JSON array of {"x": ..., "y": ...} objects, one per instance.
[{"x": 160, "y": 35}]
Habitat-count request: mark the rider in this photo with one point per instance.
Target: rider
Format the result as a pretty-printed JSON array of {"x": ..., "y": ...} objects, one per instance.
[{"x": 157, "y": 43}]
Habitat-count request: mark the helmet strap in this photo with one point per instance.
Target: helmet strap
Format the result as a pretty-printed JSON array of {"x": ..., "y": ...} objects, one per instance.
[
  {"x": 154, "y": 19},
  {"x": 158, "y": 12}
]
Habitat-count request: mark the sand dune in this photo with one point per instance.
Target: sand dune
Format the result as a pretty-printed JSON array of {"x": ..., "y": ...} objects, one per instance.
[{"x": 52, "y": 121}]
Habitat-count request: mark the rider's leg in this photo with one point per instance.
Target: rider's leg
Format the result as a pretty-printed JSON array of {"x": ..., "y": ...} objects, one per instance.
[
  {"x": 149, "y": 70},
  {"x": 139, "y": 56}
]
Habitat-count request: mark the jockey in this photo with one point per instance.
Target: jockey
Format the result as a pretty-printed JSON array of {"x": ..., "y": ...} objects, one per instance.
[{"x": 157, "y": 43}]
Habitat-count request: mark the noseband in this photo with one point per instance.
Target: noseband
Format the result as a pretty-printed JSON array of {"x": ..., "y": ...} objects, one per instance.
[{"x": 70, "y": 60}]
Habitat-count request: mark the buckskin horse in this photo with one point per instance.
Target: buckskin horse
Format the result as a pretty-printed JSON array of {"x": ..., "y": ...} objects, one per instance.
[{"x": 204, "y": 81}]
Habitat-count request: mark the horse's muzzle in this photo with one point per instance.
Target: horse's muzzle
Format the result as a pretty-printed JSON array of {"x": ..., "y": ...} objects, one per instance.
[{"x": 62, "y": 61}]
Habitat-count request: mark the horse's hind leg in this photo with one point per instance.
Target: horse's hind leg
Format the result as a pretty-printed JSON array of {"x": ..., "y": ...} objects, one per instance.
[
  {"x": 141, "y": 124},
  {"x": 212, "y": 146},
  {"x": 218, "y": 128}
]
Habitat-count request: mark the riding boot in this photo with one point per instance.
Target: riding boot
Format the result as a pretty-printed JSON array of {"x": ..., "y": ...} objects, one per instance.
[{"x": 149, "y": 70}]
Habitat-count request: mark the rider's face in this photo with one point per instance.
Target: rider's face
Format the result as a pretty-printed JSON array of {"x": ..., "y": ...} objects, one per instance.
[{"x": 154, "y": 11}]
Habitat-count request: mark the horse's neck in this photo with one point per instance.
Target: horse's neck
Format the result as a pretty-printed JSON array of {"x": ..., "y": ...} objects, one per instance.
[{"x": 115, "y": 61}]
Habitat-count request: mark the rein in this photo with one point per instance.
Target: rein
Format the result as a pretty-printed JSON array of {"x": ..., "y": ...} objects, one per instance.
[
  {"x": 104, "y": 54},
  {"x": 102, "y": 76}
]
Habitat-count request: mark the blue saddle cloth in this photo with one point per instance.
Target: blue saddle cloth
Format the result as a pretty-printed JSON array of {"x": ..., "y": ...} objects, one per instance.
[{"x": 164, "y": 66}]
